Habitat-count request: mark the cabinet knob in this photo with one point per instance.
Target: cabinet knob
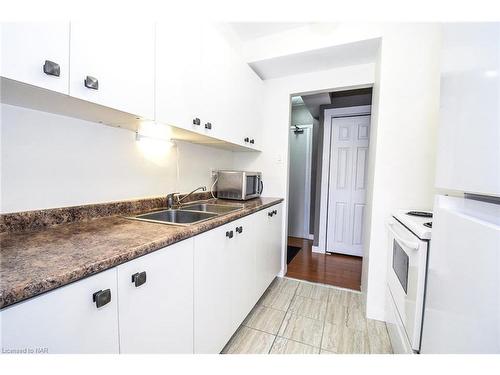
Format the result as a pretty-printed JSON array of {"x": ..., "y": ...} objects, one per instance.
[
  {"x": 247, "y": 140},
  {"x": 208, "y": 125},
  {"x": 239, "y": 229},
  {"x": 91, "y": 83},
  {"x": 102, "y": 297},
  {"x": 252, "y": 141},
  {"x": 51, "y": 68},
  {"x": 196, "y": 121},
  {"x": 139, "y": 278},
  {"x": 275, "y": 212},
  {"x": 270, "y": 214},
  {"x": 229, "y": 234}
]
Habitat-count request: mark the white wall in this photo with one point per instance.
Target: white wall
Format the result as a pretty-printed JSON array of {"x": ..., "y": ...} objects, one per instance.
[
  {"x": 301, "y": 116},
  {"x": 404, "y": 121},
  {"x": 401, "y": 169},
  {"x": 273, "y": 161},
  {"x": 55, "y": 161}
]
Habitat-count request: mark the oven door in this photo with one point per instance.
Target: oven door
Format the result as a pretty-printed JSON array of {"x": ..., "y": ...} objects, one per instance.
[{"x": 406, "y": 278}]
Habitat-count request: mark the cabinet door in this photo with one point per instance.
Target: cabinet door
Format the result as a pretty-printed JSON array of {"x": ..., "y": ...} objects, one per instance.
[
  {"x": 248, "y": 103},
  {"x": 275, "y": 238},
  {"x": 26, "y": 46},
  {"x": 178, "y": 85},
  {"x": 120, "y": 56},
  {"x": 268, "y": 261},
  {"x": 212, "y": 290},
  {"x": 156, "y": 316},
  {"x": 243, "y": 279},
  {"x": 65, "y": 320},
  {"x": 219, "y": 85}
]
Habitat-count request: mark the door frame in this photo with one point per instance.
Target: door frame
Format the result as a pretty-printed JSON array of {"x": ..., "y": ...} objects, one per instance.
[
  {"x": 329, "y": 115},
  {"x": 307, "y": 210}
]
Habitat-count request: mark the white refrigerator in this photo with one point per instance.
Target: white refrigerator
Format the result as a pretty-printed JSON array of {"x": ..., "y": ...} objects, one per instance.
[{"x": 462, "y": 300}]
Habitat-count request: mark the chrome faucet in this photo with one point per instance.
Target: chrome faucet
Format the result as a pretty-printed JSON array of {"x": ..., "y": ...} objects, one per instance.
[{"x": 170, "y": 197}]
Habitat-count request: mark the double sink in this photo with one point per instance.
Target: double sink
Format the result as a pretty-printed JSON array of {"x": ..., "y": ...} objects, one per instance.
[{"x": 188, "y": 215}]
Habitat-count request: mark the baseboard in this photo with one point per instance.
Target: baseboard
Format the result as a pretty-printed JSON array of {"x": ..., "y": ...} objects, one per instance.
[{"x": 316, "y": 249}]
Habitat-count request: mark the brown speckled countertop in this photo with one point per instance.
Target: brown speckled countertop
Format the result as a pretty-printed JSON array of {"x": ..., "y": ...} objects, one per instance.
[{"x": 34, "y": 262}]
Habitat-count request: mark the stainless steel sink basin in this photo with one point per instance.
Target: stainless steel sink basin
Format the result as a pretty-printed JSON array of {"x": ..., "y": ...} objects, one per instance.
[
  {"x": 177, "y": 217},
  {"x": 210, "y": 207}
]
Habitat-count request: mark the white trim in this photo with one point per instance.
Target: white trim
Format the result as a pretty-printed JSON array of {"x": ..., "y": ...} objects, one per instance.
[
  {"x": 316, "y": 249},
  {"x": 307, "y": 193},
  {"x": 324, "y": 285},
  {"x": 325, "y": 169}
]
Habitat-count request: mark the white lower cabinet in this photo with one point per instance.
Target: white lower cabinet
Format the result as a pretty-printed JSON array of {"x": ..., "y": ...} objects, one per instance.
[
  {"x": 268, "y": 256},
  {"x": 187, "y": 297},
  {"x": 233, "y": 265},
  {"x": 155, "y": 301},
  {"x": 212, "y": 289},
  {"x": 242, "y": 264},
  {"x": 66, "y": 320}
]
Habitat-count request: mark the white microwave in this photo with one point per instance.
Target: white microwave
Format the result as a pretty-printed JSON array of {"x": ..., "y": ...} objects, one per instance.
[{"x": 239, "y": 185}]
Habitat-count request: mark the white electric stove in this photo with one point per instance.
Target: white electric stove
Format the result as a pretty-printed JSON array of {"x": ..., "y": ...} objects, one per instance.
[{"x": 409, "y": 240}]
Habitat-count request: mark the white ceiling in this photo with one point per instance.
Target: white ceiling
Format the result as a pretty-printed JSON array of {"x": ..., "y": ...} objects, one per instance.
[
  {"x": 252, "y": 30},
  {"x": 361, "y": 52}
]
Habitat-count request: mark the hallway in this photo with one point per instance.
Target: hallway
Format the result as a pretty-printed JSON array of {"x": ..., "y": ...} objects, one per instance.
[{"x": 339, "y": 270}]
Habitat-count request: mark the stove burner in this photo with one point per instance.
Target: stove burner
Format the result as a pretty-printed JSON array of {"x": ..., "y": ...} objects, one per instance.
[
  {"x": 419, "y": 213},
  {"x": 428, "y": 225}
]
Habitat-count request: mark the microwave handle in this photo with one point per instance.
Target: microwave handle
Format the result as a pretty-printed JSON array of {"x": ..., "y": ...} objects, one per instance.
[
  {"x": 261, "y": 186},
  {"x": 413, "y": 245}
]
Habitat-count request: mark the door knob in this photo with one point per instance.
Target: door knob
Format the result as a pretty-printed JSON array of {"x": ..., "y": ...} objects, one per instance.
[
  {"x": 91, "y": 83},
  {"x": 51, "y": 68},
  {"x": 102, "y": 297},
  {"x": 139, "y": 278}
]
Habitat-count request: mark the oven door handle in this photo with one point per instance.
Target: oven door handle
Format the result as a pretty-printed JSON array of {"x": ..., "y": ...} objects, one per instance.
[{"x": 412, "y": 245}]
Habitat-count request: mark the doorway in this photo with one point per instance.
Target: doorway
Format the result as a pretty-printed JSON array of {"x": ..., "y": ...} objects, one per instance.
[{"x": 328, "y": 147}]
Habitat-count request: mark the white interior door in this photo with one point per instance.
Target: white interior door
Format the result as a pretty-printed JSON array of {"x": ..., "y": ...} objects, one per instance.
[
  {"x": 300, "y": 182},
  {"x": 347, "y": 184}
]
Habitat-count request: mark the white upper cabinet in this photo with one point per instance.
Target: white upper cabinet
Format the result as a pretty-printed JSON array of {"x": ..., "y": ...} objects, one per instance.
[
  {"x": 26, "y": 48},
  {"x": 178, "y": 75},
  {"x": 231, "y": 92},
  {"x": 113, "y": 65},
  {"x": 217, "y": 89}
]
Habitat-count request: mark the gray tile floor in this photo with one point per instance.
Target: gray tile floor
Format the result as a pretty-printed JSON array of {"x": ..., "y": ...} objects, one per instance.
[{"x": 296, "y": 317}]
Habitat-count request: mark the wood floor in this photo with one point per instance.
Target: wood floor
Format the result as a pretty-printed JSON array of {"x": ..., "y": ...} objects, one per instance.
[{"x": 338, "y": 270}]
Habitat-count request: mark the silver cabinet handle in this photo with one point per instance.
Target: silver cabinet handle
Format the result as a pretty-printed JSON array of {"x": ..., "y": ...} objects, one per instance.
[
  {"x": 91, "y": 83},
  {"x": 139, "y": 278},
  {"x": 51, "y": 68},
  {"x": 196, "y": 121},
  {"x": 102, "y": 297},
  {"x": 208, "y": 125}
]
